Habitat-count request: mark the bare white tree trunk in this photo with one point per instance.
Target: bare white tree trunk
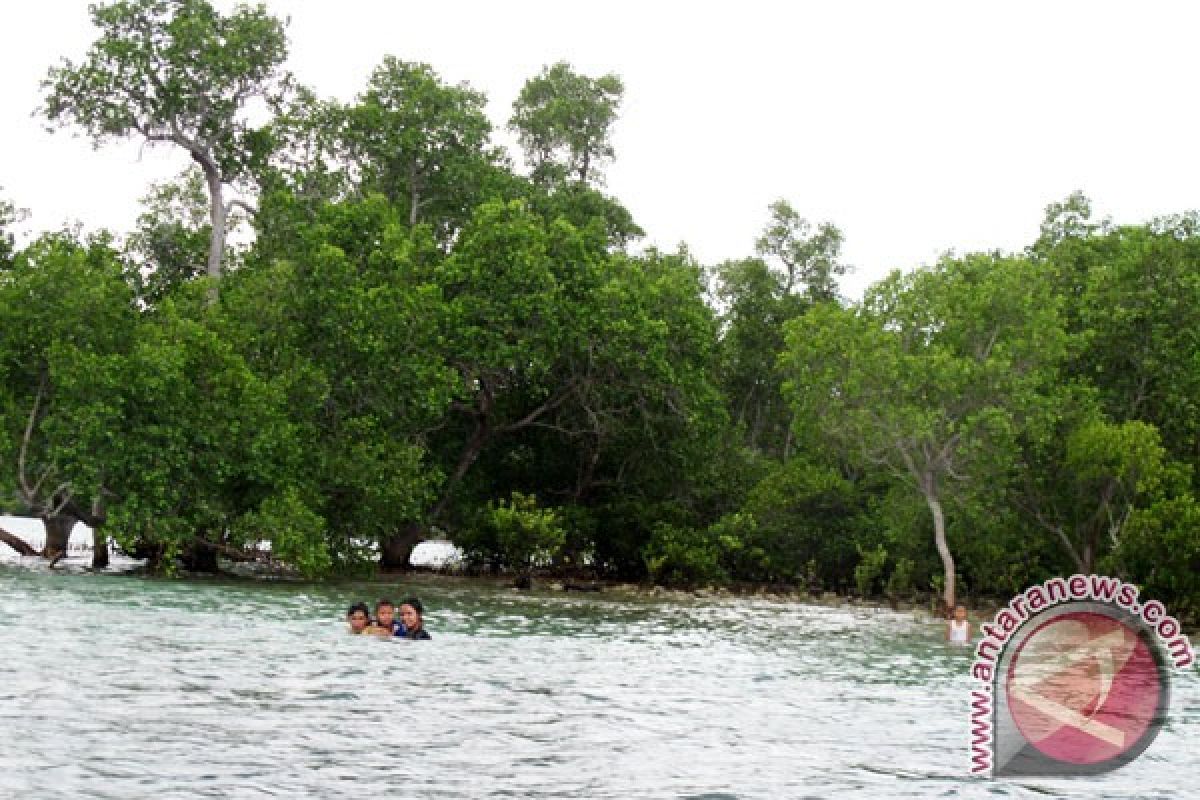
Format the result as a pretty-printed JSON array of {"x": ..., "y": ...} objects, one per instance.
[{"x": 929, "y": 489}]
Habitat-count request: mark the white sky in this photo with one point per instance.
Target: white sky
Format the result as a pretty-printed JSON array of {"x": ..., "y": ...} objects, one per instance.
[{"x": 916, "y": 127}]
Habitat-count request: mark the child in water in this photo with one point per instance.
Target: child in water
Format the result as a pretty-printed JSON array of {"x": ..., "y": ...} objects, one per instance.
[
  {"x": 411, "y": 612},
  {"x": 958, "y": 629},
  {"x": 386, "y": 624},
  {"x": 358, "y": 617}
]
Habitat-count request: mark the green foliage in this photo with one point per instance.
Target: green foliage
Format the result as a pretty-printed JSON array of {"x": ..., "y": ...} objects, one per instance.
[
  {"x": 420, "y": 143},
  {"x": 172, "y": 237},
  {"x": 61, "y": 299},
  {"x": 811, "y": 264},
  {"x": 9, "y": 214},
  {"x": 526, "y": 534},
  {"x": 680, "y": 556},
  {"x": 625, "y": 523},
  {"x": 296, "y": 533},
  {"x": 755, "y": 309},
  {"x": 1139, "y": 320},
  {"x": 191, "y": 439},
  {"x": 900, "y": 582},
  {"x": 1160, "y": 550},
  {"x": 803, "y": 514},
  {"x": 931, "y": 375},
  {"x": 758, "y": 298},
  {"x": 563, "y": 121},
  {"x": 870, "y": 569},
  {"x": 504, "y": 300},
  {"x": 740, "y": 550},
  {"x": 585, "y": 207},
  {"x": 179, "y": 72},
  {"x": 350, "y": 334},
  {"x": 173, "y": 70},
  {"x": 1081, "y": 475},
  {"x": 516, "y": 533},
  {"x": 579, "y": 541},
  {"x": 418, "y": 329}
]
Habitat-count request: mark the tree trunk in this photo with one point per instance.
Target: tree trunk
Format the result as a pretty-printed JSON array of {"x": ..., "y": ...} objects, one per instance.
[
  {"x": 414, "y": 196},
  {"x": 96, "y": 520},
  {"x": 397, "y": 548},
  {"x": 470, "y": 452},
  {"x": 99, "y": 548},
  {"x": 1070, "y": 548},
  {"x": 199, "y": 556},
  {"x": 939, "y": 538},
  {"x": 787, "y": 440},
  {"x": 149, "y": 550},
  {"x": 217, "y": 219},
  {"x": 583, "y": 170},
  {"x": 58, "y": 534}
]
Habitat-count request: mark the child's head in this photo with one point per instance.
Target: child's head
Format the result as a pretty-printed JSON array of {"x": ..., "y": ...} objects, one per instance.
[
  {"x": 960, "y": 612},
  {"x": 385, "y": 613},
  {"x": 410, "y": 613},
  {"x": 358, "y": 616}
]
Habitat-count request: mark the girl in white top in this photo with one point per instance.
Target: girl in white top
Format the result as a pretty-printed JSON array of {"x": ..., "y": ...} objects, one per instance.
[{"x": 958, "y": 630}]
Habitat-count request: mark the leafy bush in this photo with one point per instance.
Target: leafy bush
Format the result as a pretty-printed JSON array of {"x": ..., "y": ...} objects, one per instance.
[
  {"x": 869, "y": 569},
  {"x": 1160, "y": 549},
  {"x": 680, "y": 556},
  {"x": 740, "y": 547},
  {"x": 297, "y": 533},
  {"x": 624, "y": 527},
  {"x": 900, "y": 582},
  {"x": 802, "y": 513},
  {"x": 579, "y": 545},
  {"x": 525, "y": 535}
]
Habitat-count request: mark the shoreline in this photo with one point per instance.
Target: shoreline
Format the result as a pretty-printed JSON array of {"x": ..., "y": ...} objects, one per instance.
[
  {"x": 647, "y": 591},
  {"x": 979, "y": 611}
]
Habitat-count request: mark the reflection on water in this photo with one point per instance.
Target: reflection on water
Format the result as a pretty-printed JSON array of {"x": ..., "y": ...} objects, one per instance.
[{"x": 121, "y": 687}]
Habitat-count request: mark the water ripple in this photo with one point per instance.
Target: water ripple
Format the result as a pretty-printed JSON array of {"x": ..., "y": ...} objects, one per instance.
[{"x": 121, "y": 687}]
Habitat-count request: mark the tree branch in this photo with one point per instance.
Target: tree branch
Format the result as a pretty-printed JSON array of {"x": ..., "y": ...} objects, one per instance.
[
  {"x": 242, "y": 204},
  {"x": 62, "y": 490},
  {"x": 239, "y": 554},
  {"x": 549, "y": 405},
  {"x": 20, "y": 545},
  {"x": 21, "y": 476}
]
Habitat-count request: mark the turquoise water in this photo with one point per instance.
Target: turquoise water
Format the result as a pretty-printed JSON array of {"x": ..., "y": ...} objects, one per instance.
[{"x": 114, "y": 686}]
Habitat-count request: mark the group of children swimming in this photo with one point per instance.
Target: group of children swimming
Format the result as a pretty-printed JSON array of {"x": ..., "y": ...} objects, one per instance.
[{"x": 410, "y": 625}]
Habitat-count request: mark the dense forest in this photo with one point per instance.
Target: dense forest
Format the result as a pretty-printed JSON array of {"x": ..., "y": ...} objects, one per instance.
[{"x": 351, "y": 326}]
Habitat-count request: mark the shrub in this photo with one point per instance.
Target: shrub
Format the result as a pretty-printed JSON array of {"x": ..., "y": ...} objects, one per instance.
[
  {"x": 869, "y": 569},
  {"x": 681, "y": 556},
  {"x": 900, "y": 582},
  {"x": 526, "y": 535}
]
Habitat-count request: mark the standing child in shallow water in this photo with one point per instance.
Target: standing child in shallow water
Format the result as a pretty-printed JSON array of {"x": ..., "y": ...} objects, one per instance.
[
  {"x": 411, "y": 614},
  {"x": 958, "y": 629}
]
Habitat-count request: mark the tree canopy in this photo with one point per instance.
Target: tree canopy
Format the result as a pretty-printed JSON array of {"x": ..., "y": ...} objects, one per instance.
[
  {"x": 178, "y": 72},
  {"x": 418, "y": 339}
]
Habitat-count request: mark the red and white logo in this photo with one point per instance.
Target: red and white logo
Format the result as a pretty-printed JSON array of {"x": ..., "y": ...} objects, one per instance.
[{"x": 1084, "y": 688}]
